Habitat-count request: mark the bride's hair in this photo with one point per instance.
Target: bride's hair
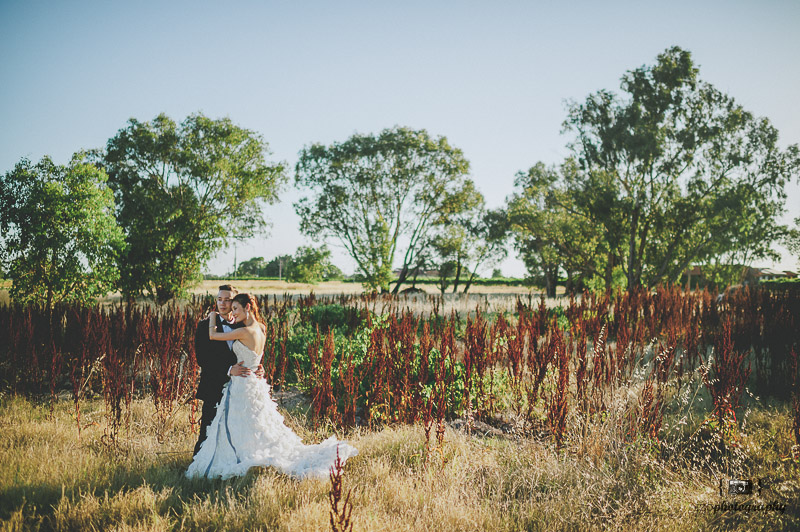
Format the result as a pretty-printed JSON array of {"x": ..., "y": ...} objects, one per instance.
[{"x": 247, "y": 299}]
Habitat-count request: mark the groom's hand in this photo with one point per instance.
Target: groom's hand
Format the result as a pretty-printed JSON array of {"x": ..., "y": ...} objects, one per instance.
[
  {"x": 238, "y": 370},
  {"x": 260, "y": 371}
]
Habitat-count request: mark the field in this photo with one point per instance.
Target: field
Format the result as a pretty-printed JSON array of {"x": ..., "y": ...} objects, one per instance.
[
  {"x": 338, "y": 287},
  {"x": 51, "y": 479},
  {"x": 632, "y": 411}
]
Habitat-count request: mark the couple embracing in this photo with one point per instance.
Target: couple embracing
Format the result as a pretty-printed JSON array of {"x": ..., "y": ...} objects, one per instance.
[{"x": 240, "y": 426}]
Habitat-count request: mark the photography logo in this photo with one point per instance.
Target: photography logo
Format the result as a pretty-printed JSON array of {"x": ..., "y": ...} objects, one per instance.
[{"x": 737, "y": 496}]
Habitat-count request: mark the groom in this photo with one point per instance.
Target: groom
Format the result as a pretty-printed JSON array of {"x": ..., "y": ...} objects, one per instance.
[{"x": 216, "y": 360}]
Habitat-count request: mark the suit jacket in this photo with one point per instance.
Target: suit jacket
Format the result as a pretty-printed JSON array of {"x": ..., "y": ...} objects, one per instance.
[{"x": 214, "y": 358}]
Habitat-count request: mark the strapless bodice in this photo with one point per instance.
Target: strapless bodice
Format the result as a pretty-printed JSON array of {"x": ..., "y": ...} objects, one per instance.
[{"x": 244, "y": 354}]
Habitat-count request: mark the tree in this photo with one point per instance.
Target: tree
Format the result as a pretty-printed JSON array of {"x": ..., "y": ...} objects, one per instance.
[
  {"x": 60, "y": 239},
  {"x": 373, "y": 193},
  {"x": 793, "y": 240},
  {"x": 446, "y": 271},
  {"x": 550, "y": 232},
  {"x": 183, "y": 192},
  {"x": 252, "y": 267},
  {"x": 676, "y": 172},
  {"x": 469, "y": 240},
  {"x": 312, "y": 265},
  {"x": 452, "y": 238},
  {"x": 280, "y": 267},
  {"x": 449, "y": 248}
]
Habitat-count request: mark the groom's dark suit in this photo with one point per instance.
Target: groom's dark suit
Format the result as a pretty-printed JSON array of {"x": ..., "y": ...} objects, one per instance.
[{"x": 215, "y": 359}]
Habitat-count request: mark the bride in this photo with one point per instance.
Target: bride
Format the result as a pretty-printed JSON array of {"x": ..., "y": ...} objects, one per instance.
[{"x": 248, "y": 430}]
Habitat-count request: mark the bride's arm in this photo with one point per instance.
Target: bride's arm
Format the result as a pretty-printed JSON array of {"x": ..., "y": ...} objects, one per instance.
[{"x": 235, "y": 334}]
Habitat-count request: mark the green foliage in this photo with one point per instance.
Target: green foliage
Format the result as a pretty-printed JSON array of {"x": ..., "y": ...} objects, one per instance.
[
  {"x": 549, "y": 231},
  {"x": 60, "y": 239},
  {"x": 312, "y": 265},
  {"x": 346, "y": 322},
  {"x": 560, "y": 314},
  {"x": 793, "y": 240},
  {"x": 719, "y": 274},
  {"x": 352, "y": 329},
  {"x": 599, "y": 283},
  {"x": 446, "y": 271},
  {"x": 308, "y": 265},
  {"x": 257, "y": 267},
  {"x": 372, "y": 192},
  {"x": 183, "y": 192},
  {"x": 343, "y": 319},
  {"x": 253, "y": 267},
  {"x": 781, "y": 284},
  {"x": 671, "y": 174},
  {"x": 463, "y": 241}
]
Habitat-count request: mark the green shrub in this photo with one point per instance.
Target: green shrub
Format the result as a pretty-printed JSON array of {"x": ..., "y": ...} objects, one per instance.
[{"x": 782, "y": 284}]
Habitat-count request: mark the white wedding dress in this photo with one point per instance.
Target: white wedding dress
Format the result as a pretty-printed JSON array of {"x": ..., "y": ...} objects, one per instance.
[{"x": 249, "y": 431}]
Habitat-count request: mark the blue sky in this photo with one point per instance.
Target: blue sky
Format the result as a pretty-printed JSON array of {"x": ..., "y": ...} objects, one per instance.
[{"x": 493, "y": 77}]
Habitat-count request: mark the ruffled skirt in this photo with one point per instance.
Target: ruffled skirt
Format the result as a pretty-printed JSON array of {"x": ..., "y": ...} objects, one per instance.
[{"x": 249, "y": 431}]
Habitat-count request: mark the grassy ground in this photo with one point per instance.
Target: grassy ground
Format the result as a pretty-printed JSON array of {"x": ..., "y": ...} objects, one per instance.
[{"x": 52, "y": 480}]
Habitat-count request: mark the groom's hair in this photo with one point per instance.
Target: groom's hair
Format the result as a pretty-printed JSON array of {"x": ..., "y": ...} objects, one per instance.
[{"x": 228, "y": 288}]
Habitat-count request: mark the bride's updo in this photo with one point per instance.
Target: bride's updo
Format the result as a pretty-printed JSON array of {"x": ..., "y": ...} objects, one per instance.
[{"x": 247, "y": 299}]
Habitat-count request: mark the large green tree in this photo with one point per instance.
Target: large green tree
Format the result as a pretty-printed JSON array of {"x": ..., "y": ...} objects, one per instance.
[
  {"x": 251, "y": 267},
  {"x": 675, "y": 172},
  {"x": 281, "y": 267},
  {"x": 312, "y": 265},
  {"x": 550, "y": 233},
  {"x": 60, "y": 239},
  {"x": 377, "y": 194},
  {"x": 183, "y": 192},
  {"x": 466, "y": 242}
]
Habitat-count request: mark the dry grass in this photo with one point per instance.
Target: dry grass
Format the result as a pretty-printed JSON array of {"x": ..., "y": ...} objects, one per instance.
[{"x": 51, "y": 480}]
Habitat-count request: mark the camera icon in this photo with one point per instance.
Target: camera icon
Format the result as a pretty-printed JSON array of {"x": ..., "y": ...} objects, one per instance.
[{"x": 740, "y": 487}]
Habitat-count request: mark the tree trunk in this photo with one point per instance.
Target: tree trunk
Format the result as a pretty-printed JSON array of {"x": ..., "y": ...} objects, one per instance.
[
  {"x": 401, "y": 279},
  {"x": 414, "y": 280},
  {"x": 609, "y": 273},
  {"x": 468, "y": 283},
  {"x": 458, "y": 276},
  {"x": 633, "y": 269},
  {"x": 163, "y": 295},
  {"x": 443, "y": 284},
  {"x": 550, "y": 280}
]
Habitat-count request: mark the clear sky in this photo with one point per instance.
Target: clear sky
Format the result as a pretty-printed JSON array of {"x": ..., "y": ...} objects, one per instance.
[{"x": 493, "y": 77}]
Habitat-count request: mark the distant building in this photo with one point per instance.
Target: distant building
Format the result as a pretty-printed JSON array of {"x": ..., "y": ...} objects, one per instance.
[
  {"x": 756, "y": 275},
  {"x": 694, "y": 278}
]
